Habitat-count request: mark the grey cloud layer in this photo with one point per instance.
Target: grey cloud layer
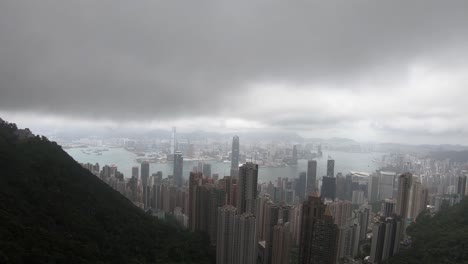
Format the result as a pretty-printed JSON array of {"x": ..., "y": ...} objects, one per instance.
[{"x": 149, "y": 59}]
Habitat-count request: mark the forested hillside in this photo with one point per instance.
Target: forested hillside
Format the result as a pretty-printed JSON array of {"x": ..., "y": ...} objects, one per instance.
[{"x": 54, "y": 211}]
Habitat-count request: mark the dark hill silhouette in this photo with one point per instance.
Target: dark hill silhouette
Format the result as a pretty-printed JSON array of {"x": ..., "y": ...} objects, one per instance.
[{"x": 54, "y": 211}]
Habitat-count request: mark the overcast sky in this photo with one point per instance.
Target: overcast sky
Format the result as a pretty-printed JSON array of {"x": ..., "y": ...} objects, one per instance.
[{"x": 389, "y": 71}]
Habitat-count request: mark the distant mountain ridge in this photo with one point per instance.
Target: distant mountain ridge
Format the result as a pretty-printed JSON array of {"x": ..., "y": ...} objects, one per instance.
[{"x": 54, "y": 211}]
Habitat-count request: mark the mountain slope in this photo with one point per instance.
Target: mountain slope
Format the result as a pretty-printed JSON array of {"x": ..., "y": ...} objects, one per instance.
[
  {"x": 54, "y": 211},
  {"x": 439, "y": 239}
]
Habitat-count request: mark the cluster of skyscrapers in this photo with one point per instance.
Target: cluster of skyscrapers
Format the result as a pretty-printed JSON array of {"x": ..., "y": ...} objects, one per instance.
[{"x": 294, "y": 220}]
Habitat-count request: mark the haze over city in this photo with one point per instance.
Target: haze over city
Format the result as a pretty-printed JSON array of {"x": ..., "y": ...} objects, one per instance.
[
  {"x": 386, "y": 72},
  {"x": 233, "y": 132}
]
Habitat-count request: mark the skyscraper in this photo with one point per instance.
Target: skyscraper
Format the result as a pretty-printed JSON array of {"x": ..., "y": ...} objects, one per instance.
[
  {"x": 403, "y": 200},
  {"x": 178, "y": 169},
  {"x": 349, "y": 187},
  {"x": 363, "y": 219},
  {"x": 385, "y": 240},
  {"x": 207, "y": 170},
  {"x": 144, "y": 173},
  {"x": 388, "y": 208},
  {"x": 340, "y": 187},
  {"x": 311, "y": 177},
  {"x": 282, "y": 242},
  {"x": 417, "y": 199},
  {"x": 271, "y": 219},
  {"x": 208, "y": 198},
  {"x": 319, "y": 236},
  {"x": 461, "y": 186},
  {"x": 301, "y": 185},
  {"x": 229, "y": 188},
  {"x": 328, "y": 188},
  {"x": 135, "y": 172},
  {"x": 341, "y": 212},
  {"x": 358, "y": 197},
  {"x": 348, "y": 241},
  {"x": 245, "y": 239},
  {"x": 263, "y": 202},
  {"x": 330, "y": 168},
  {"x": 373, "y": 188},
  {"x": 194, "y": 180},
  {"x": 386, "y": 184},
  {"x": 247, "y": 188},
  {"x": 173, "y": 141},
  {"x": 225, "y": 236},
  {"x": 294, "y": 155},
  {"x": 235, "y": 156},
  {"x": 325, "y": 240}
]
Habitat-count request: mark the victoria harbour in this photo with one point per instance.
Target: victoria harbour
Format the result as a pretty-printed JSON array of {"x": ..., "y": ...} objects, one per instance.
[{"x": 124, "y": 160}]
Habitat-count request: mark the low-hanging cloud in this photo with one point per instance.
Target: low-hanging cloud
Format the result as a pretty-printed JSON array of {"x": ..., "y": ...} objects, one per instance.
[{"x": 145, "y": 60}]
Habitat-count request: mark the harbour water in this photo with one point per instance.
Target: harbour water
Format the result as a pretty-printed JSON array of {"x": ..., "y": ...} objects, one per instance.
[{"x": 125, "y": 160}]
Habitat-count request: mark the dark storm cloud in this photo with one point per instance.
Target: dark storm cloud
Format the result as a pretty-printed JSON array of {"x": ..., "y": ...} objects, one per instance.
[{"x": 155, "y": 59}]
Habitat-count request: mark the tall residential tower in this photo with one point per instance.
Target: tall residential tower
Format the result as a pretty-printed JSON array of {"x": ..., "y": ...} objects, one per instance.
[
  {"x": 235, "y": 156},
  {"x": 247, "y": 188}
]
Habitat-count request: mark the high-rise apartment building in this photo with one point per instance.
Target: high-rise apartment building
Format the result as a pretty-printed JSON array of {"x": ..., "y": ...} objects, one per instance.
[
  {"x": 173, "y": 141},
  {"x": 311, "y": 177},
  {"x": 418, "y": 199},
  {"x": 145, "y": 173},
  {"x": 230, "y": 187},
  {"x": 319, "y": 235},
  {"x": 207, "y": 170},
  {"x": 195, "y": 180},
  {"x": 178, "y": 169},
  {"x": 262, "y": 206},
  {"x": 386, "y": 184},
  {"x": 331, "y": 168},
  {"x": 225, "y": 234},
  {"x": 388, "y": 207},
  {"x": 373, "y": 188},
  {"x": 294, "y": 155},
  {"x": 404, "y": 195},
  {"x": 461, "y": 185},
  {"x": 235, "y": 156},
  {"x": 328, "y": 190},
  {"x": 247, "y": 188},
  {"x": 349, "y": 188},
  {"x": 245, "y": 240},
  {"x": 340, "y": 187},
  {"x": 271, "y": 220},
  {"x": 301, "y": 186},
  {"x": 135, "y": 172},
  {"x": 341, "y": 212},
  {"x": 208, "y": 198},
  {"x": 385, "y": 240},
  {"x": 363, "y": 216},
  {"x": 358, "y": 197},
  {"x": 282, "y": 243},
  {"x": 348, "y": 241}
]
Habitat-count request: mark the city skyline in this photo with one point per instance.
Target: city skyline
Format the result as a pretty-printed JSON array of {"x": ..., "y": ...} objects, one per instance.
[
  {"x": 247, "y": 221},
  {"x": 234, "y": 132}
]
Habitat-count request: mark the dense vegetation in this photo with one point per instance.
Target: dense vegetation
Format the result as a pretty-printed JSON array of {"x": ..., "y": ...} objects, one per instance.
[
  {"x": 439, "y": 239},
  {"x": 54, "y": 211}
]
